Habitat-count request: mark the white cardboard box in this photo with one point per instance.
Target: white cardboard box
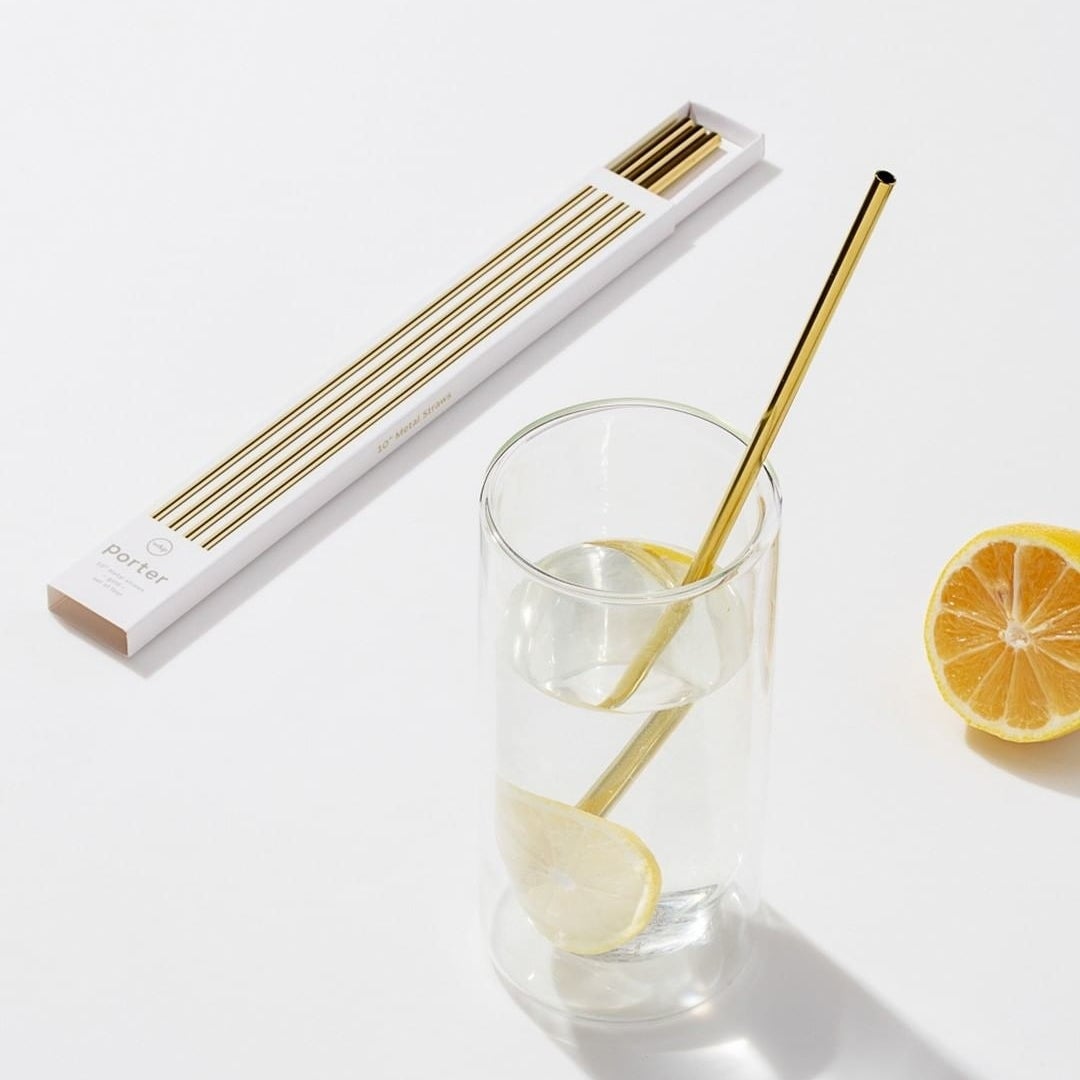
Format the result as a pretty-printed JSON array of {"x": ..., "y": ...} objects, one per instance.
[{"x": 148, "y": 573}]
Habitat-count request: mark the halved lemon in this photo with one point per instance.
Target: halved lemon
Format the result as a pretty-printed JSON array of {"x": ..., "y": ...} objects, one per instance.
[
  {"x": 588, "y": 884},
  {"x": 1003, "y": 632}
]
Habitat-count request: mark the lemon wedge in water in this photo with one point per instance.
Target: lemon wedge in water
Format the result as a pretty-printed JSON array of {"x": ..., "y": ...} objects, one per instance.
[{"x": 587, "y": 884}]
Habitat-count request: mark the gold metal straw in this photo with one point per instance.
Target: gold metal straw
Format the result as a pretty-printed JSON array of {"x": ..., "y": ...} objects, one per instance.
[
  {"x": 220, "y": 501},
  {"x": 691, "y": 157},
  {"x": 396, "y": 336},
  {"x": 665, "y": 133},
  {"x": 672, "y": 165},
  {"x": 311, "y": 429},
  {"x": 537, "y": 290},
  {"x": 667, "y": 154},
  {"x": 650, "y": 737}
]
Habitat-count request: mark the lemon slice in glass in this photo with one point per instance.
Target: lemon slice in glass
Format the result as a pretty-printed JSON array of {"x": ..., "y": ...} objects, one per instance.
[{"x": 587, "y": 884}]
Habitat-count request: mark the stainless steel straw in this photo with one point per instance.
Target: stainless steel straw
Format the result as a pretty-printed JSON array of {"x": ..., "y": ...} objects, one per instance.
[
  {"x": 640, "y": 750},
  {"x": 249, "y": 479}
]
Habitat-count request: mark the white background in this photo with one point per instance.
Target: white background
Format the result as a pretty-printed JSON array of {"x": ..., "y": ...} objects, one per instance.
[{"x": 249, "y": 852}]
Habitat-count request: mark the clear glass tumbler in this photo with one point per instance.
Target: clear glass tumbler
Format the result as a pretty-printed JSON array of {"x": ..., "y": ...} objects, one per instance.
[{"x": 620, "y": 875}]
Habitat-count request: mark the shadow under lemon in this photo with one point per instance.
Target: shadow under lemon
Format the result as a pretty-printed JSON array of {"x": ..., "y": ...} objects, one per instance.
[{"x": 1054, "y": 764}]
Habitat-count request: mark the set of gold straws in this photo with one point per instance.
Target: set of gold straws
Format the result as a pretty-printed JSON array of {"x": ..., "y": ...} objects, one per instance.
[
  {"x": 667, "y": 154},
  {"x": 143, "y": 577}
]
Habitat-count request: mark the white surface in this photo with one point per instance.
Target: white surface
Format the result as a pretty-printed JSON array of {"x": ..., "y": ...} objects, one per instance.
[{"x": 250, "y": 851}]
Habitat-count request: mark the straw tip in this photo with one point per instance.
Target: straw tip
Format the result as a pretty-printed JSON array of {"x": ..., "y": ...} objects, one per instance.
[{"x": 885, "y": 176}]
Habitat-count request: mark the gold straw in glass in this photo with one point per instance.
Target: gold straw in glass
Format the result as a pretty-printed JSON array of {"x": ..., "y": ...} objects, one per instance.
[{"x": 652, "y": 734}]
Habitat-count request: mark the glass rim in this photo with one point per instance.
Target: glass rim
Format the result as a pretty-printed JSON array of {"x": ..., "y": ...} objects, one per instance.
[{"x": 762, "y": 537}]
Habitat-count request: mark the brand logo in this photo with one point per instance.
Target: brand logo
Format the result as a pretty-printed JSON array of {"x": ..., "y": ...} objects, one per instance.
[
  {"x": 160, "y": 545},
  {"x": 134, "y": 563}
]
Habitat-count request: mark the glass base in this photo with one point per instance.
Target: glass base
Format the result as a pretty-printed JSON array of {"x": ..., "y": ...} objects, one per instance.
[{"x": 699, "y": 941}]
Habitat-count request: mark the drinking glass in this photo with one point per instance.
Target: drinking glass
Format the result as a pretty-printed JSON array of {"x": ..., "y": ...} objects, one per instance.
[{"x": 638, "y": 902}]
